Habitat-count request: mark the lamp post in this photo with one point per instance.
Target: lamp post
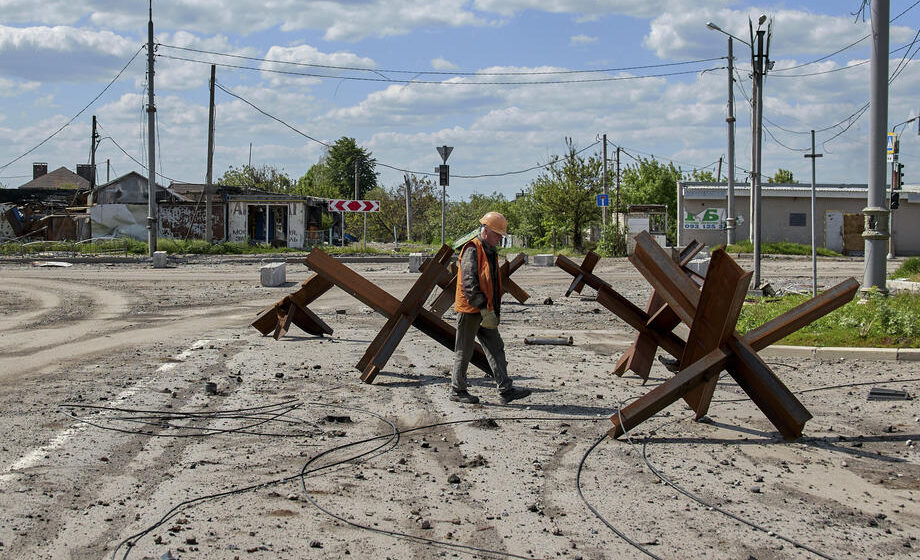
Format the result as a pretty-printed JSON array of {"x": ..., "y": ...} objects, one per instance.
[{"x": 730, "y": 220}]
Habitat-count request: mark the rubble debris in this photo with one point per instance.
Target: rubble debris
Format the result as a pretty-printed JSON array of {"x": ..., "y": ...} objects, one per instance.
[
  {"x": 882, "y": 394},
  {"x": 549, "y": 341}
]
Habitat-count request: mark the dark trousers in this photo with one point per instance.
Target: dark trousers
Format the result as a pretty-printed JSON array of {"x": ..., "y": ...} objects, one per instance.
[{"x": 468, "y": 330}]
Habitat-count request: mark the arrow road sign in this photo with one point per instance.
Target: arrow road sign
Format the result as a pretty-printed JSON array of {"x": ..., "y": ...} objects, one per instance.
[{"x": 354, "y": 205}]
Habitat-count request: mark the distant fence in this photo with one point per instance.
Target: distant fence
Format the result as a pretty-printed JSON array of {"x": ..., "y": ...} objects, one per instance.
[{"x": 96, "y": 246}]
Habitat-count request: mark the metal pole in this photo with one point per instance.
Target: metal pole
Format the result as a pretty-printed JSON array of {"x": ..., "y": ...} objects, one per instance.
[
  {"x": 408, "y": 208},
  {"x": 616, "y": 208},
  {"x": 894, "y": 169},
  {"x": 209, "y": 178},
  {"x": 108, "y": 170},
  {"x": 730, "y": 220},
  {"x": 151, "y": 144},
  {"x": 814, "y": 219},
  {"x": 604, "y": 183},
  {"x": 443, "y": 214},
  {"x": 758, "y": 175},
  {"x": 92, "y": 156},
  {"x": 875, "y": 232}
]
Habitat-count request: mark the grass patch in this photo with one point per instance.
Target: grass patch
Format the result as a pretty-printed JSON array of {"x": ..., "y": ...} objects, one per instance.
[
  {"x": 878, "y": 321},
  {"x": 909, "y": 270},
  {"x": 780, "y": 248}
]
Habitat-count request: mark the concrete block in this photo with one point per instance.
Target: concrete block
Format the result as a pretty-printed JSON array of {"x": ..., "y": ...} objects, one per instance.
[
  {"x": 544, "y": 260},
  {"x": 273, "y": 274},
  {"x": 159, "y": 259},
  {"x": 415, "y": 261},
  {"x": 699, "y": 265},
  {"x": 909, "y": 354}
]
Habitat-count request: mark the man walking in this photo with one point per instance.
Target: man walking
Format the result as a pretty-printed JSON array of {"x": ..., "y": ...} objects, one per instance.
[{"x": 478, "y": 306}]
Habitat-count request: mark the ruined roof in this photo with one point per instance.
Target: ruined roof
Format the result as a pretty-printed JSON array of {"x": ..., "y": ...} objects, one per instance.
[{"x": 60, "y": 178}]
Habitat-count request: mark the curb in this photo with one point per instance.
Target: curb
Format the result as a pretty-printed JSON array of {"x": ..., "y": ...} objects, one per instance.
[{"x": 833, "y": 352}]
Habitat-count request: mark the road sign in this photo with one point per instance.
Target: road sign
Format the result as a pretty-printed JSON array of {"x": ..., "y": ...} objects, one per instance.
[
  {"x": 891, "y": 158},
  {"x": 444, "y": 152},
  {"x": 603, "y": 200},
  {"x": 354, "y": 206},
  {"x": 444, "y": 175},
  {"x": 890, "y": 149}
]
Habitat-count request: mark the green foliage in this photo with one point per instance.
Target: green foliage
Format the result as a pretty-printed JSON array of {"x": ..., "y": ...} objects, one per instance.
[
  {"x": 703, "y": 176},
  {"x": 782, "y": 176},
  {"x": 316, "y": 182},
  {"x": 879, "y": 320},
  {"x": 780, "y": 248},
  {"x": 652, "y": 182},
  {"x": 565, "y": 195},
  {"x": 908, "y": 269},
  {"x": 341, "y": 161},
  {"x": 266, "y": 178},
  {"x": 612, "y": 242}
]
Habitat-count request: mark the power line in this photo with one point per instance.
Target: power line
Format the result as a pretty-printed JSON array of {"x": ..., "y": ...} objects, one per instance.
[
  {"x": 440, "y": 72},
  {"x": 132, "y": 158},
  {"x": 430, "y": 82},
  {"x": 80, "y": 112}
]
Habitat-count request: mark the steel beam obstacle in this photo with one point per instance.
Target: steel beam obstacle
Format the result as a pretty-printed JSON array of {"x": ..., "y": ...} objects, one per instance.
[
  {"x": 712, "y": 345},
  {"x": 438, "y": 270}
]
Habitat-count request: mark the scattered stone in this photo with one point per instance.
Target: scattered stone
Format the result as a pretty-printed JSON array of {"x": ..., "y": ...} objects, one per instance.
[
  {"x": 210, "y": 388},
  {"x": 453, "y": 479},
  {"x": 316, "y": 544},
  {"x": 485, "y": 424},
  {"x": 279, "y": 375},
  {"x": 339, "y": 419},
  {"x": 758, "y": 478},
  {"x": 425, "y": 524},
  {"x": 191, "y": 540},
  {"x": 548, "y": 301},
  {"x": 755, "y": 489},
  {"x": 293, "y": 497}
]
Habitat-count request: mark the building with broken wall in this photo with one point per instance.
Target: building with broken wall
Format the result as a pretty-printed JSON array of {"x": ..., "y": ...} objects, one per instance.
[{"x": 50, "y": 207}]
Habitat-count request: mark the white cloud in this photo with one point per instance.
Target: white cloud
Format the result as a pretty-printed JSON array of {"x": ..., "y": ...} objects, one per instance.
[
  {"x": 11, "y": 88},
  {"x": 441, "y": 63},
  {"x": 578, "y": 40}
]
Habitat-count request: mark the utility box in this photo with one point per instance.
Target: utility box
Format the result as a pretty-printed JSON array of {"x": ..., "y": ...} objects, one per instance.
[
  {"x": 273, "y": 274},
  {"x": 159, "y": 259}
]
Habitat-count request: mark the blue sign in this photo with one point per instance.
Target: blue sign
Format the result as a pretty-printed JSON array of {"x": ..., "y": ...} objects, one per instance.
[{"x": 603, "y": 200}]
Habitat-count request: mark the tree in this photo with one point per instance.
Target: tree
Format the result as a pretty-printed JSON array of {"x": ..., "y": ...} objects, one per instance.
[
  {"x": 652, "y": 182},
  {"x": 565, "y": 193},
  {"x": 266, "y": 178},
  {"x": 341, "y": 161},
  {"x": 316, "y": 182},
  {"x": 782, "y": 176},
  {"x": 703, "y": 176}
]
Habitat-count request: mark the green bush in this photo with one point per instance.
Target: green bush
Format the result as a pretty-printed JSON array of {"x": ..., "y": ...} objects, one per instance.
[
  {"x": 779, "y": 248},
  {"x": 908, "y": 269}
]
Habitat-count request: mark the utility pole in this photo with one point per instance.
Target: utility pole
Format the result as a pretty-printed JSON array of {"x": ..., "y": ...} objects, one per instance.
[
  {"x": 760, "y": 67},
  {"x": 616, "y": 208},
  {"x": 408, "y": 208},
  {"x": 604, "y": 208},
  {"x": 209, "y": 179},
  {"x": 730, "y": 220},
  {"x": 719, "y": 172},
  {"x": 151, "y": 143},
  {"x": 108, "y": 170},
  {"x": 814, "y": 219},
  {"x": 92, "y": 155},
  {"x": 875, "y": 232},
  {"x": 358, "y": 197}
]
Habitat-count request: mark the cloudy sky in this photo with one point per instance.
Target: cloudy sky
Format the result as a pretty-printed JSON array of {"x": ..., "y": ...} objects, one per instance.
[{"x": 502, "y": 81}]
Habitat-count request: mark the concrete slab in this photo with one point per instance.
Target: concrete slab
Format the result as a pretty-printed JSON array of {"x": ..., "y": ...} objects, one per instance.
[
  {"x": 544, "y": 260},
  {"x": 833, "y": 353},
  {"x": 273, "y": 274},
  {"x": 159, "y": 259}
]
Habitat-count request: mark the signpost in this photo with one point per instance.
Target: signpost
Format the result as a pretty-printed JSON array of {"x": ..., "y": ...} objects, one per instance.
[
  {"x": 343, "y": 206},
  {"x": 603, "y": 200},
  {"x": 443, "y": 172}
]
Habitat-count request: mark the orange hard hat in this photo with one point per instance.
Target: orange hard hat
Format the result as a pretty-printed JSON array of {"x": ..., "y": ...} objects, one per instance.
[{"x": 496, "y": 222}]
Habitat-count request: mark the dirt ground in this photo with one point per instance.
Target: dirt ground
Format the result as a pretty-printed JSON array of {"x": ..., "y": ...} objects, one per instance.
[{"x": 113, "y": 448}]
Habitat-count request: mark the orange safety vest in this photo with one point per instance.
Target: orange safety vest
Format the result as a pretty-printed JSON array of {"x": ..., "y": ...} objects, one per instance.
[{"x": 461, "y": 305}]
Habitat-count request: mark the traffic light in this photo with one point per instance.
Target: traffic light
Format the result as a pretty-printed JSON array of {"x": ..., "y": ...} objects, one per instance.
[
  {"x": 895, "y": 200},
  {"x": 899, "y": 171}
]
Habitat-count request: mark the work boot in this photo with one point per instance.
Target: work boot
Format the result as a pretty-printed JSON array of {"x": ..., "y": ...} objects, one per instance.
[
  {"x": 464, "y": 397},
  {"x": 513, "y": 394}
]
